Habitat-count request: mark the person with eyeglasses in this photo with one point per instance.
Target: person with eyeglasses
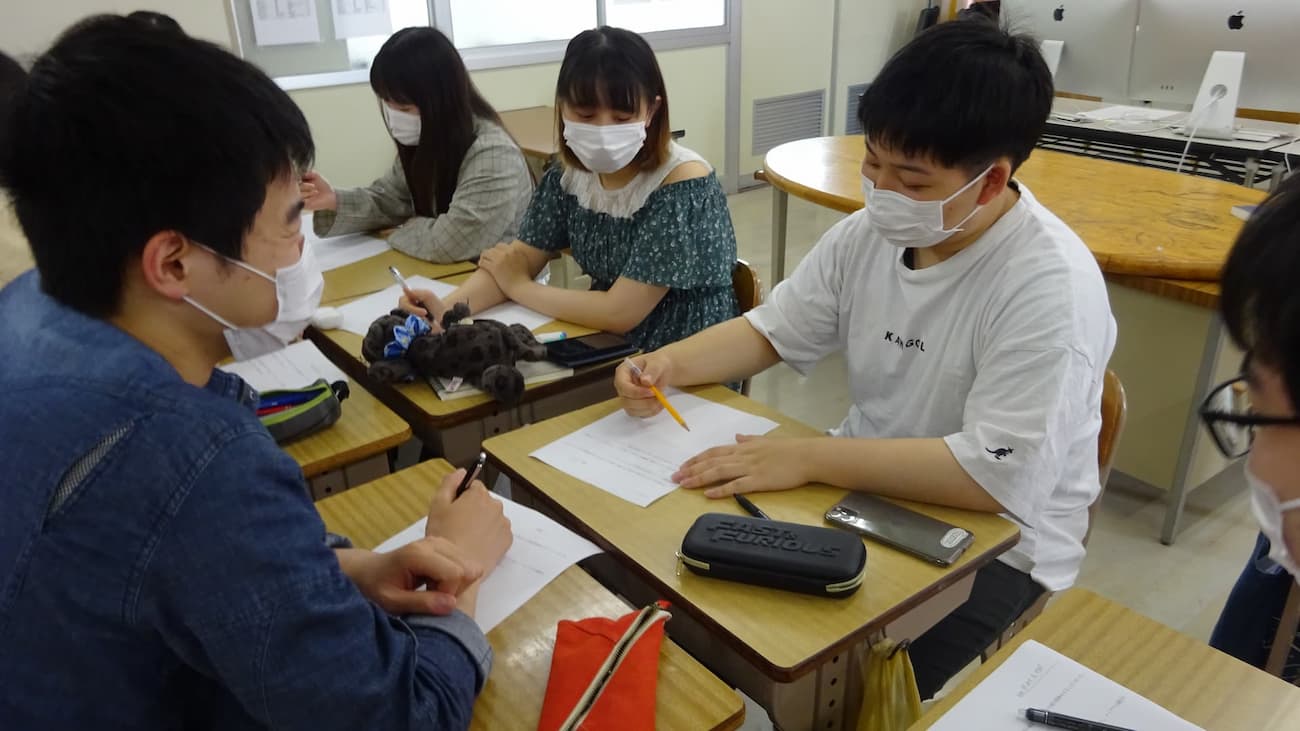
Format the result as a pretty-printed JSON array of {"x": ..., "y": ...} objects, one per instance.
[{"x": 1254, "y": 416}]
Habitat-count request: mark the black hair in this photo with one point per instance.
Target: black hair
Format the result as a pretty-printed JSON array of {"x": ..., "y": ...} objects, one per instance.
[
  {"x": 161, "y": 21},
  {"x": 12, "y": 80},
  {"x": 614, "y": 68},
  {"x": 122, "y": 132},
  {"x": 963, "y": 94},
  {"x": 1261, "y": 286},
  {"x": 420, "y": 66}
]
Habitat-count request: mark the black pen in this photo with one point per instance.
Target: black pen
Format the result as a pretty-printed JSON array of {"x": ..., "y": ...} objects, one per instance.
[
  {"x": 471, "y": 475},
  {"x": 750, "y": 507},
  {"x": 1057, "y": 720}
]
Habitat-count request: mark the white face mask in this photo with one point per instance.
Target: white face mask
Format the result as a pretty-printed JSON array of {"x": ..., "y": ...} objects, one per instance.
[
  {"x": 908, "y": 223},
  {"x": 403, "y": 126},
  {"x": 1268, "y": 511},
  {"x": 605, "y": 148},
  {"x": 298, "y": 289}
]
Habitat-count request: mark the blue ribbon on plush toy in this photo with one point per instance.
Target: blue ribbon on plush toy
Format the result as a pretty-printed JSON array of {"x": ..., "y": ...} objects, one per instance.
[{"x": 403, "y": 334}]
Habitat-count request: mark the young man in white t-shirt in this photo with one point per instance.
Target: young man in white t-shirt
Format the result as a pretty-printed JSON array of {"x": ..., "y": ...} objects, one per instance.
[{"x": 975, "y": 324}]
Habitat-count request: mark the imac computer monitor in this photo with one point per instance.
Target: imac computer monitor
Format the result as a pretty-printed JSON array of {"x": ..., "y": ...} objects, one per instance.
[
  {"x": 1176, "y": 39},
  {"x": 1097, "y": 37}
]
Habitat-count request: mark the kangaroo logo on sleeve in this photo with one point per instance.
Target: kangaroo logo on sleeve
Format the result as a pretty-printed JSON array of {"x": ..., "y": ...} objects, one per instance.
[{"x": 1000, "y": 452}]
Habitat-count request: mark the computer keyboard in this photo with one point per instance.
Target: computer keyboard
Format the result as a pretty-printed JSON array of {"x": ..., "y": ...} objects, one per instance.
[{"x": 1254, "y": 135}]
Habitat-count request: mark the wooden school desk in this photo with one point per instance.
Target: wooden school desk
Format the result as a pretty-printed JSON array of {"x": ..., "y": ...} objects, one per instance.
[
  {"x": 455, "y": 428},
  {"x": 792, "y": 653},
  {"x": 354, "y": 449},
  {"x": 371, "y": 275},
  {"x": 688, "y": 696},
  {"x": 1204, "y": 686},
  {"x": 1162, "y": 237},
  {"x": 534, "y": 129}
]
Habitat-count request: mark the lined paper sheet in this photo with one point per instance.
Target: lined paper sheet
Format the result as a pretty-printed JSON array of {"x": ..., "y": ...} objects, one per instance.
[
  {"x": 542, "y": 550},
  {"x": 635, "y": 458},
  {"x": 339, "y": 251},
  {"x": 1036, "y": 676},
  {"x": 297, "y": 366},
  {"x": 358, "y": 314}
]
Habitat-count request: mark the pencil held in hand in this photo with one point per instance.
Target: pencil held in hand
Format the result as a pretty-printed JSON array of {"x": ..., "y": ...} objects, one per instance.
[{"x": 659, "y": 395}]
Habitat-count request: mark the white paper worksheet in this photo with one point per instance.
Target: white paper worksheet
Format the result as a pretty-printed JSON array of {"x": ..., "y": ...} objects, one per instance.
[
  {"x": 358, "y": 314},
  {"x": 635, "y": 458},
  {"x": 1036, "y": 676},
  {"x": 542, "y": 550},
  {"x": 339, "y": 251},
  {"x": 360, "y": 18},
  {"x": 284, "y": 22},
  {"x": 296, "y": 366}
]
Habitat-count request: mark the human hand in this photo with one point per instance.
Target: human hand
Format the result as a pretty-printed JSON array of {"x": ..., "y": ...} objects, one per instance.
[
  {"x": 508, "y": 266},
  {"x": 393, "y": 580},
  {"x": 317, "y": 193},
  {"x": 634, "y": 393},
  {"x": 432, "y": 309},
  {"x": 752, "y": 464},
  {"x": 475, "y": 522}
]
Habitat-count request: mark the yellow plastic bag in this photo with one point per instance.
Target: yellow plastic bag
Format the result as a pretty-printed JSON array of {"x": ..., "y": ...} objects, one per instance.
[{"x": 890, "y": 700}]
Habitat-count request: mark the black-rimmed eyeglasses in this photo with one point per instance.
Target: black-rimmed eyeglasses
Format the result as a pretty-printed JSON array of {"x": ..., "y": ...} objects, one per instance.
[{"x": 1229, "y": 417}]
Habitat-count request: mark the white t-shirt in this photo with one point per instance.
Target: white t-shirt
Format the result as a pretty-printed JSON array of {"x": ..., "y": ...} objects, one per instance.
[{"x": 1001, "y": 350}]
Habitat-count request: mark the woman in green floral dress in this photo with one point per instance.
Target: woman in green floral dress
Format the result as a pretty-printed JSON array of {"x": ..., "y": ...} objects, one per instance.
[{"x": 645, "y": 217}]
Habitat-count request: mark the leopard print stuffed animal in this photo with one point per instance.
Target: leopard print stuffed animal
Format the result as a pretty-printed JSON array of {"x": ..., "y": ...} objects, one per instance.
[{"x": 401, "y": 347}]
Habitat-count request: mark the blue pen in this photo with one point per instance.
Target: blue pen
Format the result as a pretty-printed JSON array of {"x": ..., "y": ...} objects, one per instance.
[
  {"x": 286, "y": 399},
  {"x": 544, "y": 338}
]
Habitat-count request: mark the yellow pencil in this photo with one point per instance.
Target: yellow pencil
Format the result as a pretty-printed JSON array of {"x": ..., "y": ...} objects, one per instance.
[{"x": 658, "y": 395}]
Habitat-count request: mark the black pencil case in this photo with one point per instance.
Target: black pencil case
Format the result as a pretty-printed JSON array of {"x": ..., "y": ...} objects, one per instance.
[
  {"x": 810, "y": 559},
  {"x": 322, "y": 407}
]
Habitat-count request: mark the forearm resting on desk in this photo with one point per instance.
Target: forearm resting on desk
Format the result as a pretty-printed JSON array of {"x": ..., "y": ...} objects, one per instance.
[
  {"x": 617, "y": 310},
  {"x": 480, "y": 291},
  {"x": 924, "y": 470}
]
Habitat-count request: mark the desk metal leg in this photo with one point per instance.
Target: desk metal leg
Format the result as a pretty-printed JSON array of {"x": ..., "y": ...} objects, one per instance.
[
  {"x": 1252, "y": 171},
  {"x": 1187, "y": 453},
  {"x": 780, "y": 211}
]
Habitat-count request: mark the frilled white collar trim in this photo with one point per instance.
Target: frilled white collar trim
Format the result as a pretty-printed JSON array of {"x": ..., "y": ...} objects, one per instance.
[{"x": 626, "y": 201}]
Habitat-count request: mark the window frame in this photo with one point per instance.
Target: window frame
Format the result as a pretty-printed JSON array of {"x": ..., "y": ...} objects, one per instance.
[{"x": 503, "y": 56}]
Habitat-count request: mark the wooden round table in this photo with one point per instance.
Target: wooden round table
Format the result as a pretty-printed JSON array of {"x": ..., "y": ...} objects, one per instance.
[{"x": 1140, "y": 223}]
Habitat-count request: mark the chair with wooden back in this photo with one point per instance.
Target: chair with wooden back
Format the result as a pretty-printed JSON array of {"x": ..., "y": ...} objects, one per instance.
[
  {"x": 749, "y": 294},
  {"x": 1114, "y": 411}
]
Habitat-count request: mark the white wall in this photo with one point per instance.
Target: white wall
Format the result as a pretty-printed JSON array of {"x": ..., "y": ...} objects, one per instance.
[
  {"x": 784, "y": 49},
  {"x": 867, "y": 34}
]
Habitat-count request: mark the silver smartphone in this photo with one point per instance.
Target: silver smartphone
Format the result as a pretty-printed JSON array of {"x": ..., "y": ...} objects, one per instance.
[{"x": 907, "y": 530}]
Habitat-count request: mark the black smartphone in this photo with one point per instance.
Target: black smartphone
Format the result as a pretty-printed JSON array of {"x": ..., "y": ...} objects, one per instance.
[
  {"x": 907, "y": 530},
  {"x": 588, "y": 349}
]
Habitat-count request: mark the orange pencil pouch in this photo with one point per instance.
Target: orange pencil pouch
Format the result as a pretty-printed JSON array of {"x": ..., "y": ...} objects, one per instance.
[{"x": 604, "y": 673}]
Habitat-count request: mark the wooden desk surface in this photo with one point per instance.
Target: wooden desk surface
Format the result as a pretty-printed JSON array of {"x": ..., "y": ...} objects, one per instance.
[
  {"x": 689, "y": 696},
  {"x": 1187, "y": 677},
  {"x": 365, "y": 428},
  {"x": 782, "y": 633},
  {"x": 1137, "y": 221},
  {"x": 418, "y": 403},
  {"x": 371, "y": 275},
  {"x": 534, "y": 129}
]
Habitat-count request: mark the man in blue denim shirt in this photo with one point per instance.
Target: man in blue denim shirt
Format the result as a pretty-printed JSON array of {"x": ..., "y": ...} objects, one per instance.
[{"x": 161, "y": 564}]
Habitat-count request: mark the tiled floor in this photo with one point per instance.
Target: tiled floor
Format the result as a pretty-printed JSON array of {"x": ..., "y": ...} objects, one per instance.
[{"x": 1183, "y": 585}]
